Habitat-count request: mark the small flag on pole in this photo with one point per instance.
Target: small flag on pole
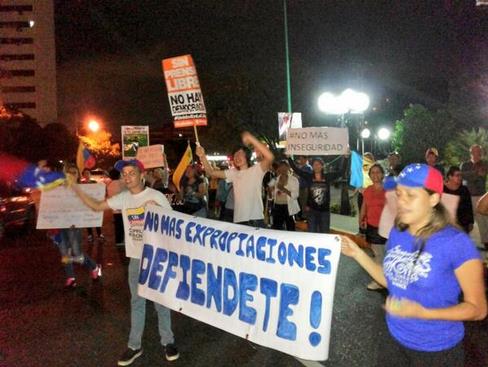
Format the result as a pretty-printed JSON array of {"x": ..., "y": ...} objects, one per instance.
[
  {"x": 181, "y": 168},
  {"x": 84, "y": 159},
  {"x": 360, "y": 166}
]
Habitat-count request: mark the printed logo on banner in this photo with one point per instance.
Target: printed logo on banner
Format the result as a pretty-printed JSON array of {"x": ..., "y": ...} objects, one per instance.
[
  {"x": 274, "y": 288},
  {"x": 136, "y": 222},
  {"x": 184, "y": 93}
]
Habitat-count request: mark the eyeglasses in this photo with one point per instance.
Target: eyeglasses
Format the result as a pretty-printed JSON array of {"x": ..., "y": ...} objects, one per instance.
[{"x": 129, "y": 174}]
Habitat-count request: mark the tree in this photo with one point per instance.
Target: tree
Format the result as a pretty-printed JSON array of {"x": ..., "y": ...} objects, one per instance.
[
  {"x": 101, "y": 146},
  {"x": 457, "y": 150},
  {"x": 420, "y": 129}
]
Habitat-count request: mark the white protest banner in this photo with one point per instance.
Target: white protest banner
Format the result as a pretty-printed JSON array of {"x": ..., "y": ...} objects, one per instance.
[
  {"x": 133, "y": 137},
  {"x": 274, "y": 288},
  {"x": 288, "y": 121},
  {"x": 317, "y": 141},
  {"x": 62, "y": 208},
  {"x": 184, "y": 93},
  {"x": 151, "y": 156}
]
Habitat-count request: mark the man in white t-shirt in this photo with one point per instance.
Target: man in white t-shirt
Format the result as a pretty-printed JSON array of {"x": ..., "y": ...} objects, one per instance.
[
  {"x": 246, "y": 179},
  {"x": 132, "y": 203}
]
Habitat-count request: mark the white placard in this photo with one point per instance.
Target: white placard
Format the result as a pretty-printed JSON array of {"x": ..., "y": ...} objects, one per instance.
[
  {"x": 151, "y": 156},
  {"x": 274, "y": 288},
  {"x": 62, "y": 208},
  {"x": 317, "y": 141}
]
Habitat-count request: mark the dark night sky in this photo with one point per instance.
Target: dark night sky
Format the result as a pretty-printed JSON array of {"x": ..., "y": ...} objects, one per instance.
[{"x": 109, "y": 52}]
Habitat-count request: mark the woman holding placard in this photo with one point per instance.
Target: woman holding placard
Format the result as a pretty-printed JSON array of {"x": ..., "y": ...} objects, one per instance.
[
  {"x": 428, "y": 264},
  {"x": 70, "y": 246}
]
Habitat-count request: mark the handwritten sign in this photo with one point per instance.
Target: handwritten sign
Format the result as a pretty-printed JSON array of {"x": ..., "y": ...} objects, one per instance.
[
  {"x": 275, "y": 288},
  {"x": 317, "y": 141},
  {"x": 62, "y": 208},
  {"x": 151, "y": 156},
  {"x": 184, "y": 93}
]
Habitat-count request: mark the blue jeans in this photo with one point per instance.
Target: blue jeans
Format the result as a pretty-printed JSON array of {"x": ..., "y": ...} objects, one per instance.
[
  {"x": 70, "y": 245},
  {"x": 138, "y": 312},
  {"x": 318, "y": 222}
]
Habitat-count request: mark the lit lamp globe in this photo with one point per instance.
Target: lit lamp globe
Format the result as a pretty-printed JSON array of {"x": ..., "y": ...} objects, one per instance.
[
  {"x": 384, "y": 133},
  {"x": 93, "y": 125},
  {"x": 355, "y": 102},
  {"x": 327, "y": 102},
  {"x": 365, "y": 133}
]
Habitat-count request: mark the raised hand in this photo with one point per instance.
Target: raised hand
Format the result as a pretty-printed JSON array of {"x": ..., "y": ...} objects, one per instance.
[
  {"x": 247, "y": 138},
  {"x": 349, "y": 247},
  {"x": 200, "y": 152}
]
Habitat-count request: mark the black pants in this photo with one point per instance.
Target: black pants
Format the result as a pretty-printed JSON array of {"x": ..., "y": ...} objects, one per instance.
[
  {"x": 281, "y": 216},
  {"x": 118, "y": 228},
  {"x": 98, "y": 229},
  {"x": 395, "y": 354}
]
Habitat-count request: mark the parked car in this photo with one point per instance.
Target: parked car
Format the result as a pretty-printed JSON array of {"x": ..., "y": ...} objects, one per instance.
[
  {"x": 99, "y": 175},
  {"x": 17, "y": 209}
]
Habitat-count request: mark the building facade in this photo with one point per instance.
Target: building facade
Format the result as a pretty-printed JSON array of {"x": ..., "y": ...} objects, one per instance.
[{"x": 28, "y": 58}]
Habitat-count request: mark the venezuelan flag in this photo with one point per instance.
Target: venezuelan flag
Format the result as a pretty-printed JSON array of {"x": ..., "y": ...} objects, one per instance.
[
  {"x": 26, "y": 174},
  {"x": 181, "y": 168},
  {"x": 360, "y": 166},
  {"x": 84, "y": 159}
]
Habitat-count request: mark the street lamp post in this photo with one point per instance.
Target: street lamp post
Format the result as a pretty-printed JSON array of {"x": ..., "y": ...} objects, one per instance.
[{"x": 348, "y": 102}]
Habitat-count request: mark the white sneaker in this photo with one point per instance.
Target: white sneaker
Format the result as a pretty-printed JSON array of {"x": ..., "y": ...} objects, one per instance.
[{"x": 373, "y": 286}]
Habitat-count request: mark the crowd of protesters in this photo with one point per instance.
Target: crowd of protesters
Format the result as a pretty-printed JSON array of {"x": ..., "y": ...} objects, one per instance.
[{"x": 400, "y": 213}]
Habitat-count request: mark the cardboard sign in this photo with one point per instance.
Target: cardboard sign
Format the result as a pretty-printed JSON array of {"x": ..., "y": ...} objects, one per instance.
[
  {"x": 151, "y": 156},
  {"x": 288, "y": 121},
  {"x": 62, "y": 208},
  {"x": 184, "y": 93},
  {"x": 317, "y": 141},
  {"x": 274, "y": 288},
  {"x": 133, "y": 137}
]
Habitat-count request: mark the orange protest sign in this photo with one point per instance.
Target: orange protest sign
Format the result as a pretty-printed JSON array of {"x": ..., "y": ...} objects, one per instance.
[{"x": 184, "y": 93}]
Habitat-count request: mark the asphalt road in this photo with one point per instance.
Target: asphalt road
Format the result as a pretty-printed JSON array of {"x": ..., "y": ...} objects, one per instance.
[{"x": 41, "y": 324}]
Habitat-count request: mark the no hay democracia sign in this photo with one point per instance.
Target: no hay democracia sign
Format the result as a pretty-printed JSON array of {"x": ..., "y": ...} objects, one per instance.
[
  {"x": 184, "y": 93},
  {"x": 275, "y": 288}
]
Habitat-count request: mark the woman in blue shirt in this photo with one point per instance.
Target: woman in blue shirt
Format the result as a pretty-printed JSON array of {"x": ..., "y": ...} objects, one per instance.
[{"x": 428, "y": 264}]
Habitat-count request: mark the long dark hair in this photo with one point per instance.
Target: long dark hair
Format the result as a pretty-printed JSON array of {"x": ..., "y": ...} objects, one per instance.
[{"x": 322, "y": 174}]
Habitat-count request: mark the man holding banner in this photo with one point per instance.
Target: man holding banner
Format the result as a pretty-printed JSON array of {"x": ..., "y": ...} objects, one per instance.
[
  {"x": 132, "y": 203},
  {"x": 246, "y": 179}
]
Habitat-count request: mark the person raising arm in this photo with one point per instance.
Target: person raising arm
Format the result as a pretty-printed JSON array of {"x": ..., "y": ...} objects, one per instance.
[
  {"x": 246, "y": 179},
  {"x": 241, "y": 161}
]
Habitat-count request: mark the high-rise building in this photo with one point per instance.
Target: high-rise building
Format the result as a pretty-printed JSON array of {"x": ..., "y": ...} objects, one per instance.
[{"x": 28, "y": 58}]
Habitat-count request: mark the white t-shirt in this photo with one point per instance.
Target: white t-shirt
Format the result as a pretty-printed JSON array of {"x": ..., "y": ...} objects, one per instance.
[
  {"x": 247, "y": 183},
  {"x": 132, "y": 207}
]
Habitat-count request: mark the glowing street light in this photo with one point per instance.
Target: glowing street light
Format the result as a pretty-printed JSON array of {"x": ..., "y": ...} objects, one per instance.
[
  {"x": 384, "y": 133},
  {"x": 93, "y": 125},
  {"x": 365, "y": 133},
  {"x": 349, "y": 101}
]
